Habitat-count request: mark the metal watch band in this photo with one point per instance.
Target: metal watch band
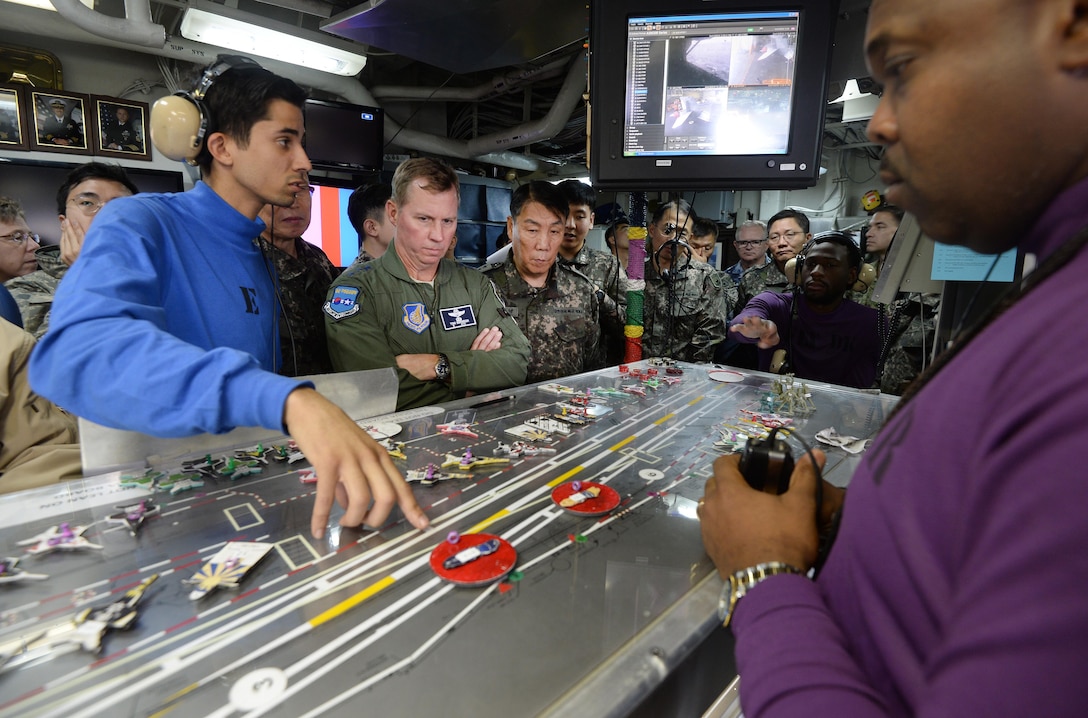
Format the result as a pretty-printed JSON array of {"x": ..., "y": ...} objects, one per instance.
[{"x": 742, "y": 581}]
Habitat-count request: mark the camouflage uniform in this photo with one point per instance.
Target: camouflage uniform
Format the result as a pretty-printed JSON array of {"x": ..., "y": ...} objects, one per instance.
[
  {"x": 686, "y": 317},
  {"x": 757, "y": 280},
  {"x": 604, "y": 272},
  {"x": 911, "y": 320},
  {"x": 303, "y": 283},
  {"x": 560, "y": 319},
  {"x": 34, "y": 292}
]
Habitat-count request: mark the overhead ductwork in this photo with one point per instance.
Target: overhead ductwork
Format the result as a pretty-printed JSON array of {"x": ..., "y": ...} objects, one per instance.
[{"x": 137, "y": 33}]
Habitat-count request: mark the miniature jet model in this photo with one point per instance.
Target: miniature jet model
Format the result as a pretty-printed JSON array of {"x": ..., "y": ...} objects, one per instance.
[
  {"x": 520, "y": 448},
  {"x": 186, "y": 483},
  {"x": 307, "y": 476},
  {"x": 207, "y": 465},
  {"x": 91, "y": 624},
  {"x": 134, "y": 515},
  {"x": 430, "y": 475},
  {"x": 558, "y": 389},
  {"x": 471, "y": 554},
  {"x": 458, "y": 429},
  {"x": 146, "y": 480},
  {"x": 58, "y": 538},
  {"x": 393, "y": 448},
  {"x": 590, "y": 492},
  {"x": 288, "y": 453},
  {"x": 545, "y": 423},
  {"x": 11, "y": 573},
  {"x": 234, "y": 470},
  {"x": 468, "y": 461},
  {"x": 227, "y": 567},
  {"x": 256, "y": 454},
  {"x": 570, "y": 418},
  {"x": 607, "y": 391},
  {"x": 636, "y": 389}
]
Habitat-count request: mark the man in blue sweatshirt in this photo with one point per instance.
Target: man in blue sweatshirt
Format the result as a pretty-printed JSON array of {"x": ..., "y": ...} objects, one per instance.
[{"x": 167, "y": 324}]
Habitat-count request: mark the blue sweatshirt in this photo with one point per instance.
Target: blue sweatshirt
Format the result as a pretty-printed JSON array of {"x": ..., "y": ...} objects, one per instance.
[{"x": 167, "y": 323}]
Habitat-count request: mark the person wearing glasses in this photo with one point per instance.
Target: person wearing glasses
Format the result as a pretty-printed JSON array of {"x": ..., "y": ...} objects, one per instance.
[
  {"x": 787, "y": 232},
  {"x": 751, "y": 245},
  {"x": 86, "y": 189},
  {"x": 17, "y": 242},
  {"x": 305, "y": 274},
  {"x": 686, "y": 302}
]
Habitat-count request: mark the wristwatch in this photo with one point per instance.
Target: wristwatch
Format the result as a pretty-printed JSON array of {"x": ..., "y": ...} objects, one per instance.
[
  {"x": 442, "y": 369},
  {"x": 742, "y": 581}
]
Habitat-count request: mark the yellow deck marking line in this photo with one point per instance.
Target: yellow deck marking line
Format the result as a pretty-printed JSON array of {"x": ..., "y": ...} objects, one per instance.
[
  {"x": 350, "y": 603},
  {"x": 663, "y": 419}
]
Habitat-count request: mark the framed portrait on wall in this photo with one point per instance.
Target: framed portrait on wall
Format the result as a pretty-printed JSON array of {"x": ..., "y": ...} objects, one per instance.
[
  {"x": 58, "y": 120},
  {"x": 12, "y": 118},
  {"x": 120, "y": 128}
]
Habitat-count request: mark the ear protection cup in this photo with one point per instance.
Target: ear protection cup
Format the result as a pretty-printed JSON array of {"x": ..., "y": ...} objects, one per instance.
[
  {"x": 867, "y": 273},
  {"x": 179, "y": 122}
]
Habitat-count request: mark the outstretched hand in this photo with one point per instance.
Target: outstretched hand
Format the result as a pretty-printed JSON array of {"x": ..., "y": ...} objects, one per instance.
[
  {"x": 743, "y": 527},
  {"x": 351, "y": 467},
  {"x": 759, "y": 328}
]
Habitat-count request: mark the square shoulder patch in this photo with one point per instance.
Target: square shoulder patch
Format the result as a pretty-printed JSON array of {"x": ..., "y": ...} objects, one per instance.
[{"x": 344, "y": 303}]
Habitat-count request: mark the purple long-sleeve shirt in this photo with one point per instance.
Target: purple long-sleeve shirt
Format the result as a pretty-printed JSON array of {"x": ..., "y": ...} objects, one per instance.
[
  {"x": 839, "y": 347},
  {"x": 958, "y": 585}
]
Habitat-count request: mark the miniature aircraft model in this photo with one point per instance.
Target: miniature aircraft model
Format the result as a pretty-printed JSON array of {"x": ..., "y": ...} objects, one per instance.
[
  {"x": 58, "y": 538},
  {"x": 430, "y": 475},
  {"x": 258, "y": 453},
  {"x": 91, "y": 624},
  {"x": 471, "y": 553},
  {"x": 558, "y": 389},
  {"x": 393, "y": 448},
  {"x": 147, "y": 480},
  {"x": 580, "y": 497},
  {"x": 307, "y": 476},
  {"x": 227, "y": 567},
  {"x": 458, "y": 429},
  {"x": 607, "y": 391},
  {"x": 134, "y": 515},
  {"x": 11, "y": 573},
  {"x": 207, "y": 465},
  {"x": 234, "y": 469},
  {"x": 636, "y": 389},
  {"x": 288, "y": 453},
  {"x": 468, "y": 461},
  {"x": 520, "y": 448},
  {"x": 186, "y": 483}
]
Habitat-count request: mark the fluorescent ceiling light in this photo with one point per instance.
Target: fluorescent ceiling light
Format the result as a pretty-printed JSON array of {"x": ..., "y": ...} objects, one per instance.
[
  {"x": 244, "y": 36},
  {"x": 46, "y": 5}
]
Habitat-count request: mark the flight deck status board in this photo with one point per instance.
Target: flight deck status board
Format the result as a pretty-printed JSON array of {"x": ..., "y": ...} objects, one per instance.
[{"x": 563, "y": 536}]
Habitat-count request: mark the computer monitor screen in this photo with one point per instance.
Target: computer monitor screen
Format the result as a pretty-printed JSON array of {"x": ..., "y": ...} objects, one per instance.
[
  {"x": 715, "y": 94},
  {"x": 340, "y": 135}
]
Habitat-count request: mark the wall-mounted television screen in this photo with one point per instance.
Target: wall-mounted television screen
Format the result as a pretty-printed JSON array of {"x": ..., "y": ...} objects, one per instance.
[
  {"x": 340, "y": 135},
  {"x": 708, "y": 94}
]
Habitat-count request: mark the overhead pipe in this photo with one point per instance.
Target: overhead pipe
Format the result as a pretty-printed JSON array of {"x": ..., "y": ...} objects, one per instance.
[
  {"x": 495, "y": 86},
  {"x": 135, "y": 28},
  {"x": 490, "y": 149}
]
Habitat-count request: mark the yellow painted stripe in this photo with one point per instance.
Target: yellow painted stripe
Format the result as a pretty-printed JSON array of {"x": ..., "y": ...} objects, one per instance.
[
  {"x": 622, "y": 444},
  {"x": 696, "y": 400},
  {"x": 352, "y": 602},
  {"x": 564, "y": 477},
  {"x": 183, "y": 691},
  {"x": 164, "y": 711},
  {"x": 488, "y": 521},
  {"x": 665, "y": 418}
]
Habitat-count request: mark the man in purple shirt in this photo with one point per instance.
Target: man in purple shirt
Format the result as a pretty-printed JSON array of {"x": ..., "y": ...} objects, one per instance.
[
  {"x": 956, "y": 586},
  {"x": 819, "y": 333}
]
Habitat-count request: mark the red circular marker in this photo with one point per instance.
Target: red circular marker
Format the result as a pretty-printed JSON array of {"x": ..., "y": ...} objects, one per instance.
[
  {"x": 606, "y": 499},
  {"x": 478, "y": 571}
]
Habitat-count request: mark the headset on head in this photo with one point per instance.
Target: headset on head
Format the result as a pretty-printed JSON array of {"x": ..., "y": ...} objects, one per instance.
[
  {"x": 866, "y": 272},
  {"x": 179, "y": 122}
]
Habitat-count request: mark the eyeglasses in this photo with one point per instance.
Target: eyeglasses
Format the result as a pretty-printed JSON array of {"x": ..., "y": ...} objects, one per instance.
[
  {"x": 21, "y": 237},
  {"x": 87, "y": 205},
  {"x": 788, "y": 236},
  {"x": 671, "y": 229},
  {"x": 748, "y": 243}
]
